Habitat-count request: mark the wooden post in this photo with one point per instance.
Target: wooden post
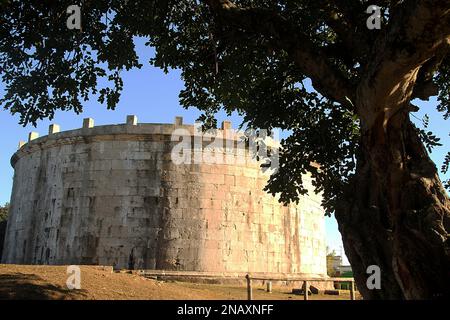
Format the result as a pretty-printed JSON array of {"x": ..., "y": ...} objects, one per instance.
[
  {"x": 305, "y": 290},
  {"x": 352, "y": 290},
  {"x": 249, "y": 287},
  {"x": 269, "y": 286}
]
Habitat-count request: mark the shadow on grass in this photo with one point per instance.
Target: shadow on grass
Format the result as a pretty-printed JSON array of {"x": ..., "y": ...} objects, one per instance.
[{"x": 32, "y": 287}]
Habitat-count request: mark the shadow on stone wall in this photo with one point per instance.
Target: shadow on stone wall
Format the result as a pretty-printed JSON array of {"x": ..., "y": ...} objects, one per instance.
[
  {"x": 31, "y": 287},
  {"x": 2, "y": 236}
]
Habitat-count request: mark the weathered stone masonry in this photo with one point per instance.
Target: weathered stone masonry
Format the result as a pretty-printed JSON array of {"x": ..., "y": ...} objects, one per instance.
[{"x": 111, "y": 195}]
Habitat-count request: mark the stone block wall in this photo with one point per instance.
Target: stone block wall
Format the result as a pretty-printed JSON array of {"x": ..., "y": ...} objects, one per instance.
[{"x": 110, "y": 195}]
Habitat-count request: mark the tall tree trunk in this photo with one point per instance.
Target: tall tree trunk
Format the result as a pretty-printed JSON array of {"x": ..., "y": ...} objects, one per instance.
[{"x": 396, "y": 215}]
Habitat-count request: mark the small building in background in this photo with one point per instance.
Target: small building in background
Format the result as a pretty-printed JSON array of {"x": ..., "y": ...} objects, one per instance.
[
  {"x": 345, "y": 271},
  {"x": 335, "y": 268},
  {"x": 333, "y": 263}
]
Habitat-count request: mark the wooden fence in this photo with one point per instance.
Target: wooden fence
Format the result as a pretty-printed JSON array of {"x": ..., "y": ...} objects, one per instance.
[
  {"x": 305, "y": 284},
  {"x": 248, "y": 277}
]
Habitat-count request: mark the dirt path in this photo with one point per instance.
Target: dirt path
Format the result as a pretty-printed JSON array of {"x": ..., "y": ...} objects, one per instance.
[{"x": 49, "y": 282}]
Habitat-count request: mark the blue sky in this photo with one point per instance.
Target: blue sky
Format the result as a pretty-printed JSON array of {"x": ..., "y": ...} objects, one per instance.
[{"x": 153, "y": 97}]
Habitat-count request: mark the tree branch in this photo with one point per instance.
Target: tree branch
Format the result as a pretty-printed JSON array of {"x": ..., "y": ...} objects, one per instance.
[
  {"x": 425, "y": 86},
  {"x": 282, "y": 35},
  {"x": 341, "y": 19},
  {"x": 418, "y": 31}
]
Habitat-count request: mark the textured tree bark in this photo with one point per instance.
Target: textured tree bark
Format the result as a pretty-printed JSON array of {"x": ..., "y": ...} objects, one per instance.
[{"x": 396, "y": 215}]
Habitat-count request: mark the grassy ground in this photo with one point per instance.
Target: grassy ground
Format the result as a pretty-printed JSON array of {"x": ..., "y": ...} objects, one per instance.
[{"x": 49, "y": 282}]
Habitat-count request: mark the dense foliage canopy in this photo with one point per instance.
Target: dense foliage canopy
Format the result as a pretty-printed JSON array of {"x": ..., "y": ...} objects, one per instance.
[{"x": 258, "y": 58}]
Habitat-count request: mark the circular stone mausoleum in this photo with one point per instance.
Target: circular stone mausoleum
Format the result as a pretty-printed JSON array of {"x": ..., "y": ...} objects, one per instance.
[{"x": 112, "y": 195}]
